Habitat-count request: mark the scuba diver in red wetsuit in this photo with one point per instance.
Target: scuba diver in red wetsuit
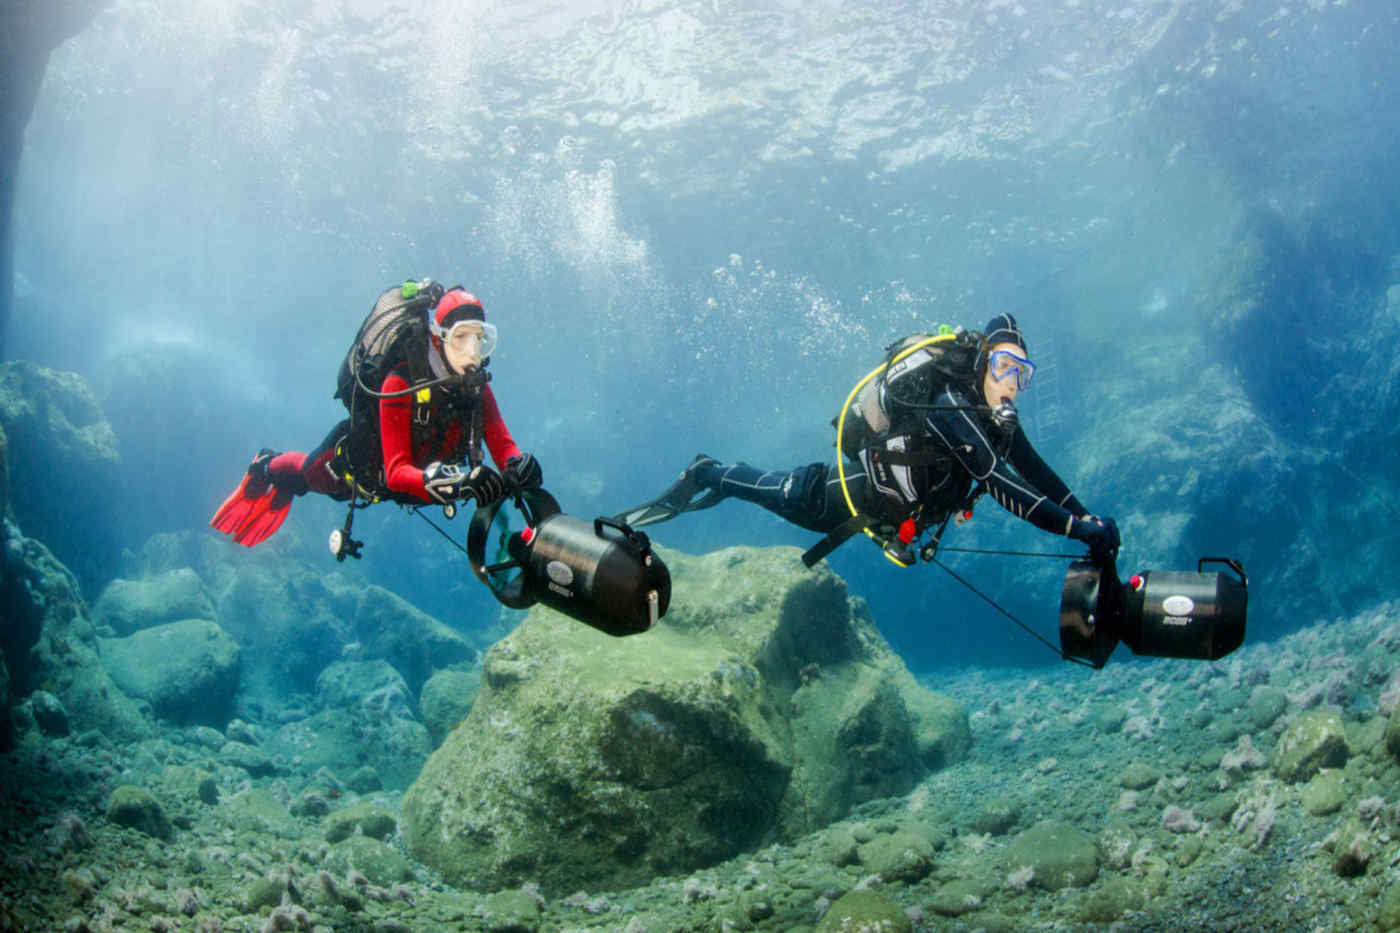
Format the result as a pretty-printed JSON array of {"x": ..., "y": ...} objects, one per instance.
[{"x": 415, "y": 384}]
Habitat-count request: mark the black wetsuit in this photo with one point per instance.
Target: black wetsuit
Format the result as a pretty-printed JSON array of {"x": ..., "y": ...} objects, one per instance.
[{"x": 943, "y": 453}]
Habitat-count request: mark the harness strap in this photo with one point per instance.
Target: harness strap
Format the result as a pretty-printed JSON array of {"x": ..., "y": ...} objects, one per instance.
[
  {"x": 835, "y": 538},
  {"x": 913, "y": 458},
  {"x": 475, "y": 431}
]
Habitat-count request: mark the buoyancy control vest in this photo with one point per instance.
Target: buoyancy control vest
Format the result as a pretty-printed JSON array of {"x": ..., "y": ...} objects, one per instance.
[
  {"x": 912, "y": 478},
  {"x": 394, "y": 337},
  {"x": 908, "y": 470},
  {"x": 888, "y": 402}
]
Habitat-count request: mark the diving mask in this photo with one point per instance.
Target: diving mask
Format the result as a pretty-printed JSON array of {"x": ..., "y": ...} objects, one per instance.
[
  {"x": 468, "y": 338},
  {"x": 1004, "y": 365}
]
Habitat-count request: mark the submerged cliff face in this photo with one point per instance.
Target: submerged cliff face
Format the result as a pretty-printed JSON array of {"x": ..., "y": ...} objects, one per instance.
[{"x": 29, "y": 31}]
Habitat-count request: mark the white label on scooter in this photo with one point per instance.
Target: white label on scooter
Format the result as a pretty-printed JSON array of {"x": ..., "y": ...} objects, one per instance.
[
  {"x": 560, "y": 572},
  {"x": 1178, "y": 606}
]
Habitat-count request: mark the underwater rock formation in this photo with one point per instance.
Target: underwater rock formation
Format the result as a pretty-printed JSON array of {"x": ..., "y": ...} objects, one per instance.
[
  {"x": 446, "y": 699},
  {"x": 293, "y": 622},
  {"x": 48, "y": 641},
  {"x": 55, "y": 428},
  {"x": 186, "y": 670},
  {"x": 365, "y": 719},
  {"x": 765, "y": 705},
  {"x": 127, "y": 606}
]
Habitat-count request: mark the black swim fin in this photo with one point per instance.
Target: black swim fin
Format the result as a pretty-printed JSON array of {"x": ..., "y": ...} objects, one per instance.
[{"x": 686, "y": 494}]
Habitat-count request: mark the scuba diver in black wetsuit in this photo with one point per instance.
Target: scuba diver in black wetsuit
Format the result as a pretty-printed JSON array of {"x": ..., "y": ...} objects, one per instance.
[{"x": 926, "y": 434}]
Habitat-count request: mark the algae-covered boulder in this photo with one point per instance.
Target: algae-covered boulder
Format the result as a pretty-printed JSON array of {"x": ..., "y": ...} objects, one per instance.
[
  {"x": 363, "y": 819},
  {"x": 49, "y": 642},
  {"x": 941, "y": 728},
  {"x": 55, "y": 428},
  {"x": 865, "y": 912},
  {"x": 187, "y": 670},
  {"x": 374, "y": 859},
  {"x": 1059, "y": 854},
  {"x": 765, "y": 705},
  {"x": 374, "y": 684},
  {"x": 1313, "y": 741},
  {"x": 293, "y": 622},
  {"x": 344, "y": 740},
  {"x": 137, "y": 808},
  {"x": 127, "y": 606},
  {"x": 412, "y": 641},
  {"x": 511, "y": 910},
  {"x": 446, "y": 699},
  {"x": 898, "y": 856},
  {"x": 256, "y": 809},
  {"x": 289, "y": 622},
  {"x": 247, "y": 757},
  {"x": 1325, "y": 793}
]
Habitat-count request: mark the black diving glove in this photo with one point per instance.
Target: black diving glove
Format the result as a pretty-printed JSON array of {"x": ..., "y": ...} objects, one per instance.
[
  {"x": 445, "y": 482},
  {"x": 448, "y": 482},
  {"x": 484, "y": 485},
  {"x": 1101, "y": 534},
  {"x": 524, "y": 472}
]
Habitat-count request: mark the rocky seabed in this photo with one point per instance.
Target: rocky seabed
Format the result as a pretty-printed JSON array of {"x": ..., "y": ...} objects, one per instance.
[{"x": 1259, "y": 792}]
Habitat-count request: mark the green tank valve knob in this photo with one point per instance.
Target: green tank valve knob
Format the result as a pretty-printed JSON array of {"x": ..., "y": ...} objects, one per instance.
[
  {"x": 409, "y": 290},
  {"x": 945, "y": 330}
]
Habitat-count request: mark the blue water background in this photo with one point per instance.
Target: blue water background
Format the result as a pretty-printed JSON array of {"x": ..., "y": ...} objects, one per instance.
[{"x": 696, "y": 224}]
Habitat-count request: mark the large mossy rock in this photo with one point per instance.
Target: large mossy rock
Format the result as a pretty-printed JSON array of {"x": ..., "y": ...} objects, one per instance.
[
  {"x": 127, "y": 606},
  {"x": 49, "y": 642},
  {"x": 764, "y": 705},
  {"x": 1313, "y": 741},
  {"x": 1058, "y": 854},
  {"x": 56, "y": 430},
  {"x": 446, "y": 699},
  {"x": 865, "y": 912},
  {"x": 186, "y": 670},
  {"x": 293, "y": 622},
  {"x": 366, "y": 720},
  {"x": 347, "y": 739}
]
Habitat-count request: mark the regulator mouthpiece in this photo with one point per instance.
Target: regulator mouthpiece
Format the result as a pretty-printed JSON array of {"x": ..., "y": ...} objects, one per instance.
[{"x": 1005, "y": 416}]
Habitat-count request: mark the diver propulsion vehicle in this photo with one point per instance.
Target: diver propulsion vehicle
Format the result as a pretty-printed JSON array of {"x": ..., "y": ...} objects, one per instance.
[
  {"x": 1165, "y": 614},
  {"x": 602, "y": 573}
]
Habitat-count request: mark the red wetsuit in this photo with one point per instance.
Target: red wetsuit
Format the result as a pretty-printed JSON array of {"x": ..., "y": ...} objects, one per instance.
[{"x": 403, "y": 463}]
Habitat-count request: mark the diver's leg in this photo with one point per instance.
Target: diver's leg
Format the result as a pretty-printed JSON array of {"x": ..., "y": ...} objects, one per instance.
[
  {"x": 316, "y": 471},
  {"x": 693, "y": 489},
  {"x": 808, "y": 496}
]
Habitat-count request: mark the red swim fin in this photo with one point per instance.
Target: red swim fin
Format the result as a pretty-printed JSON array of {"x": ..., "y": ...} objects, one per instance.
[
  {"x": 239, "y": 508},
  {"x": 270, "y": 511}
]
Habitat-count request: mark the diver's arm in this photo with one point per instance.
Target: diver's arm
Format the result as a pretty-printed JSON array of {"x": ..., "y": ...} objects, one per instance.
[
  {"x": 401, "y": 474},
  {"x": 967, "y": 437},
  {"x": 1014, "y": 494},
  {"x": 1037, "y": 472},
  {"x": 498, "y": 439},
  {"x": 956, "y": 424}
]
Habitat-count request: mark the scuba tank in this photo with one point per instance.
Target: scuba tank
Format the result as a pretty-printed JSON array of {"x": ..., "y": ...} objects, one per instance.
[
  {"x": 603, "y": 573},
  {"x": 1159, "y": 613}
]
